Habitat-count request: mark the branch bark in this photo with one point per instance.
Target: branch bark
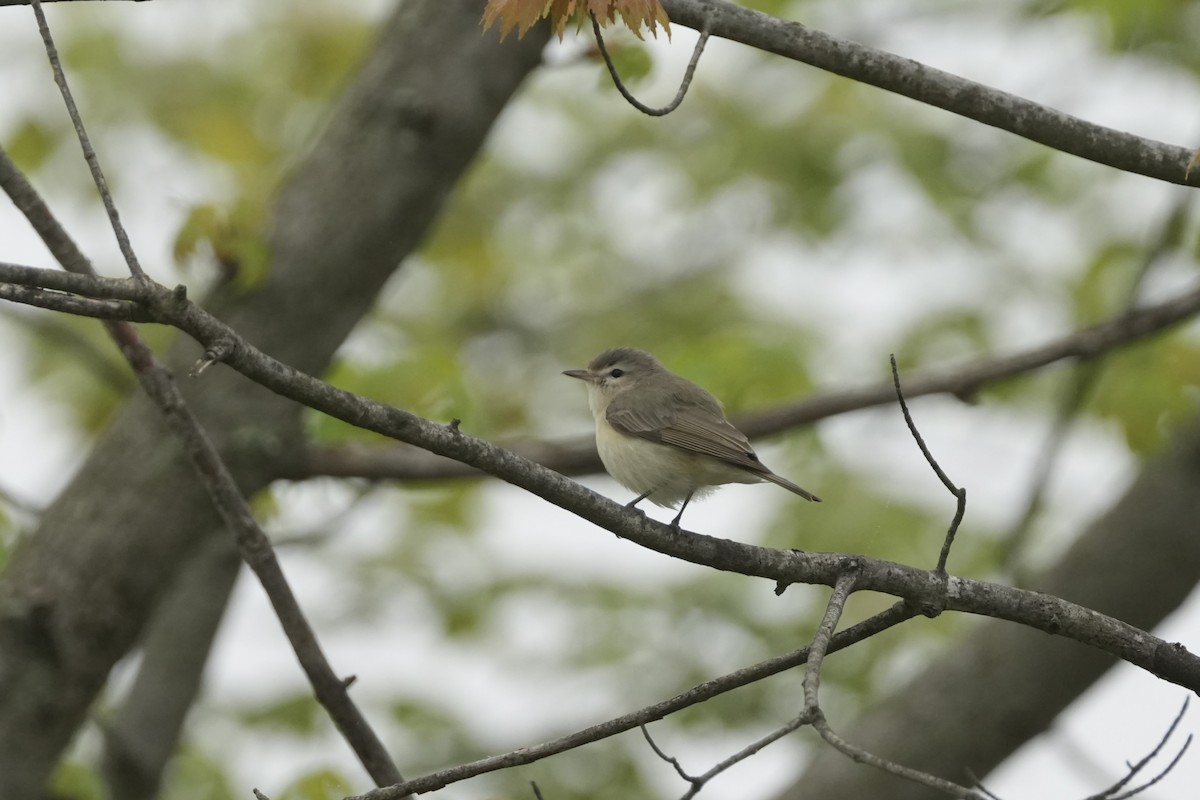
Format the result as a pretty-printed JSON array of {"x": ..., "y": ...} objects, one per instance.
[
  {"x": 934, "y": 87},
  {"x": 925, "y": 588}
]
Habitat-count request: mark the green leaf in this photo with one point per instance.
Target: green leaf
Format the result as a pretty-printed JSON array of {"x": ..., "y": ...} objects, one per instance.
[
  {"x": 32, "y": 144},
  {"x": 324, "y": 784},
  {"x": 193, "y": 775},
  {"x": 298, "y": 714},
  {"x": 79, "y": 782}
]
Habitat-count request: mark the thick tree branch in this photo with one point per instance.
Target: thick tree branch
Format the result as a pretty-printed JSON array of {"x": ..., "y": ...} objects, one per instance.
[
  {"x": 934, "y": 87},
  {"x": 1044, "y": 612},
  {"x": 144, "y": 731},
  {"x": 893, "y": 616}
]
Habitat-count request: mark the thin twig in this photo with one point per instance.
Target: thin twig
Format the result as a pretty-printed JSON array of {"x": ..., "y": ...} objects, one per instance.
[
  {"x": 893, "y": 616},
  {"x": 89, "y": 153},
  {"x": 822, "y": 638},
  {"x": 658, "y": 751},
  {"x": 862, "y": 756},
  {"x": 633, "y": 101},
  {"x": 979, "y": 787},
  {"x": 960, "y": 495},
  {"x": 231, "y": 506},
  {"x": 812, "y": 705},
  {"x": 1113, "y": 792},
  {"x": 754, "y": 747}
]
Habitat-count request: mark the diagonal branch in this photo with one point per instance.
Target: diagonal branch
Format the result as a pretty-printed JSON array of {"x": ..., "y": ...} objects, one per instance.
[
  {"x": 159, "y": 384},
  {"x": 812, "y": 705},
  {"x": 900, "y": 612},
  {"x": 1048, "y": 613},
  {"x": 934, "y": 87}
]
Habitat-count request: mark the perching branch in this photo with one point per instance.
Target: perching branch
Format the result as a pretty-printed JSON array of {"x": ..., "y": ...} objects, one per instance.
[
  {"x": 1051, "y": 614},
  {"x": 578, "y": 457},
  {"x": 934, "y": 87}
]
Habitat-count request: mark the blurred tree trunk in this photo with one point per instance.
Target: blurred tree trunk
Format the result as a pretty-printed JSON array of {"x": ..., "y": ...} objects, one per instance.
[
  {"x": 77, "y": 594},
  {"x": 1004, "y": 684}
]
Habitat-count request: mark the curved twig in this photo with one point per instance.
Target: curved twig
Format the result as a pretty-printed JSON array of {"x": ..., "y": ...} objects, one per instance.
[
  {"x": 633, "y": 101},
  {"x": 960, "y": 494}
]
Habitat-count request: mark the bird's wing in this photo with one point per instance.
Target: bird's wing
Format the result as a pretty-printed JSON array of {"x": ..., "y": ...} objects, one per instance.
[{"x": 695, "y": 428}]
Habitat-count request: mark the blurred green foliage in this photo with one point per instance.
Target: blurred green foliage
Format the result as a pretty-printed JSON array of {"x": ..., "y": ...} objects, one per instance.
[{"x": 616, "y": 229}]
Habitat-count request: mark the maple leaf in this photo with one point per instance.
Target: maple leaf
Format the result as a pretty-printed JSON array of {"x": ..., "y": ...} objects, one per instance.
[{"x": 522, "y": 14}]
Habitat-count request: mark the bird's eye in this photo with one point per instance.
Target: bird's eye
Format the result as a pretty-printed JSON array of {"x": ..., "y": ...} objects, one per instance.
[{"x": 616, "y": 373}]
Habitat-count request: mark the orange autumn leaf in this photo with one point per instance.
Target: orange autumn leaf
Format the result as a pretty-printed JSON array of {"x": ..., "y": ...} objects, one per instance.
[{"x": 522, "y": 14}]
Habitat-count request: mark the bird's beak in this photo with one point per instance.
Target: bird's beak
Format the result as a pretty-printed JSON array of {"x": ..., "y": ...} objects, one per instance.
[{"x": 582, "y": 374}]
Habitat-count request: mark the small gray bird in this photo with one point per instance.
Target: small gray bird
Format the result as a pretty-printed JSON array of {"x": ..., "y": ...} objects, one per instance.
[{"x": 663, "y": 436}]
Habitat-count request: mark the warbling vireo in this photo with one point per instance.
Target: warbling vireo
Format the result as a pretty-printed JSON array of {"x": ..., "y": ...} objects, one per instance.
[{"x": 663, "y": 436}]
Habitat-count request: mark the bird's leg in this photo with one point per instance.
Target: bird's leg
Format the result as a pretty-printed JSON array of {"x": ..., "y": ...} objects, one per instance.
[
  {"x": 679, "y": 516},
  {"x": 638, "y": 499}
]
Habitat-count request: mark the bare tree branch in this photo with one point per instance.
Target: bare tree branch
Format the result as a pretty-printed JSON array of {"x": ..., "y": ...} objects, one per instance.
[
  {"x": 125, "y": 310},
  {"x": 231, "y": 505},
  {"x": 698, "y": 782},
  {"x": 633, "y": 101},
  {"x": 960, "y": 495},
  {"x": 218, "y": 482},
  {"x": 1114, "y": 792},
  {"x": 812, "y": 705},
  {"x": 85, "y": 142},
  {"x": 144, "y": 730},
  {"x": 900, "y": 612},
  {"x": 1138, "y": 561},
  {"x": 934, "y": 87},
  {"x": 1051, "y": 614},
  {"x": 578, "y": 456}
]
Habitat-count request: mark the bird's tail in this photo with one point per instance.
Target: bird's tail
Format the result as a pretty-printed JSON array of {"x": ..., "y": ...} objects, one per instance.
[{"x": 791, "y": 487}]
